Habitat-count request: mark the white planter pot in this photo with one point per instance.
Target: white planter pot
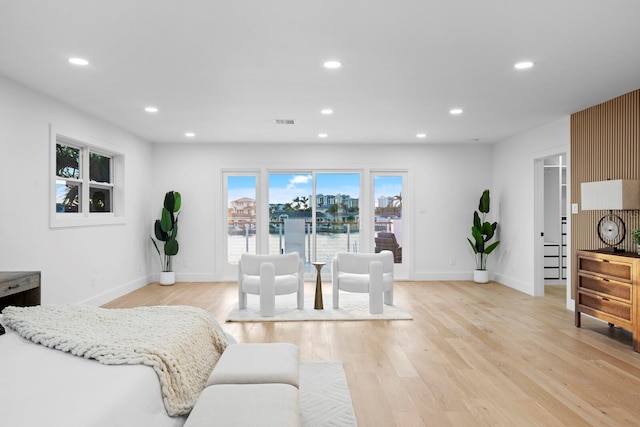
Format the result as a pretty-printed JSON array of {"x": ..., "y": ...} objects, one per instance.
[
  {"x": 481, "y": 276},
  {"x": 167, "y": 277}
]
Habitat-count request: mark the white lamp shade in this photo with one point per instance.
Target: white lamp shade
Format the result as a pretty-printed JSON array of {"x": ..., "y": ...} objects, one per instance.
[{"x": 615, "y": 194}]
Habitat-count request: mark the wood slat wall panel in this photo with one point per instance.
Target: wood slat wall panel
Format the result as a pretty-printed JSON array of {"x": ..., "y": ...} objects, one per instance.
[{"x": 605, "y": 144}]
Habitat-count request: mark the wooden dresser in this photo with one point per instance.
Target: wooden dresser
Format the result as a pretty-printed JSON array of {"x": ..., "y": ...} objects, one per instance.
[
  {"x": 21, "y": 288},
  {"x": 607, "y": 288}
]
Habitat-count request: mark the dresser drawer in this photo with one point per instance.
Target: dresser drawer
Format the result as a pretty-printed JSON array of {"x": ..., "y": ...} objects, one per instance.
[
  {"x": 18, "y": 285},
  {"x": 617, "y": 270},
  {"x": 603, "y": 305},
  {"x": 609, "y": 288}
]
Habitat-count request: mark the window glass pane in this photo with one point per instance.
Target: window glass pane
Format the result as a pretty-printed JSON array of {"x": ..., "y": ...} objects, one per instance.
[
  {"x": 99, "y": 199},
  {"x": 241, "y": 216},
  {"x": 68, "y": 196},
  {"x": 337, "y": 214},
  {"x": 388, "y": 215},
  {"x": 290, "y": 214},
  {"x": 99, "y": 168},
  {"x": 67, "y": 161}
]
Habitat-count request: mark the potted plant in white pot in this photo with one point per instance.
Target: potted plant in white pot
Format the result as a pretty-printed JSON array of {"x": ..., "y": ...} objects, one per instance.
[
  {"x": 635, "y": 236},
  {"x": 482, "y": 231},
  {"x": 166, "y": 230}
]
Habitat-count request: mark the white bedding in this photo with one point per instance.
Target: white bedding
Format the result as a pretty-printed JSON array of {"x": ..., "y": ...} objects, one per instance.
[{"x": 40, "y": 386}]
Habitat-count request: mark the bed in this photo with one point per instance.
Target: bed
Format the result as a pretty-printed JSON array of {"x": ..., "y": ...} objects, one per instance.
[{"x": 45, "y": 386}]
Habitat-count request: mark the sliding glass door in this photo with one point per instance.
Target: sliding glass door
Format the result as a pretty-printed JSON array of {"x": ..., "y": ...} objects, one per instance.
[
  {"x": 315, "y": 214},
  {"x": 241, "y": 215},
  {"x": 388, "y": 189},
  {"x": 337, "y": 210}
]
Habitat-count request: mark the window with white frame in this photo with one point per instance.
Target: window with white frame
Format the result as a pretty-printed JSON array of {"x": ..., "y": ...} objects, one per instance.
[{"x": 87, "y": 187}]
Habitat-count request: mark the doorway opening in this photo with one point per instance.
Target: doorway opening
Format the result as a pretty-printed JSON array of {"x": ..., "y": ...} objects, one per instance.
[{"x": 551, "y": 264}]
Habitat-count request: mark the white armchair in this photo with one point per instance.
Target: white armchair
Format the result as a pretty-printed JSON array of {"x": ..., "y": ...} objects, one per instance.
[
  {"x": 364, "y": 273},
  {"x": 268, "y": 276}
]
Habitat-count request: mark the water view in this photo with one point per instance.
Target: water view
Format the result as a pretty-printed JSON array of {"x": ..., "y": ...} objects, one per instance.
[{"x": 327, "y": 245}]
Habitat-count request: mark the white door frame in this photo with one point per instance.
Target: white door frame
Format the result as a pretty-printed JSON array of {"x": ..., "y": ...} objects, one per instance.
[{"x": 538, "y": 220}]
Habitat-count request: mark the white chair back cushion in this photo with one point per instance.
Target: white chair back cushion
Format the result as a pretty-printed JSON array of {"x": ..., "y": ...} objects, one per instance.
[
  {"x": 358, "y": 263},
  {"x": 284, "y": 264}
]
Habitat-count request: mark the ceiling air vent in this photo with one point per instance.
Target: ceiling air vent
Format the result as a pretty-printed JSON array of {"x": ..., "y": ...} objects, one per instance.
[{"x": 284, "y": 121}]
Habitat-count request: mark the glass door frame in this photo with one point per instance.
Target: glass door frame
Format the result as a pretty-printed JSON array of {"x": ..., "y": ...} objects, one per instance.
[
  {"x": 231, "y": 269},
  {"x": 401, "y": 270}
]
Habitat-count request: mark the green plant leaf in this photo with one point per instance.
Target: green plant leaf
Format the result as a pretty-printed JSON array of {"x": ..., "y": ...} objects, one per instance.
[
  {"x": 475, "y": 251},
  {"x": 174, "y": 232},
  {"x": 160, "y": 234},
  {"x": 166, "y": 220},
  {"x": 171, "y": 247},
  {"x": 485, "y": 202},
  {"x": 488, "y": 231},
  {"x": 479, "y": 240},
  {"x": 169, "y": 201},
  {"x": 177, "y": 201},
  {"x": 476, "y": 220},
  {"x": 491, "y": 247}
]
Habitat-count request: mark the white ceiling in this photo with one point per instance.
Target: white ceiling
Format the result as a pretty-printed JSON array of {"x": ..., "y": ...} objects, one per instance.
[{"x": 226, "y": 69}]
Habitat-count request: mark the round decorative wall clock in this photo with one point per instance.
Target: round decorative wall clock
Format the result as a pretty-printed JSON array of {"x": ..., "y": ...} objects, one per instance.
[{"x": 611, "y": 230}]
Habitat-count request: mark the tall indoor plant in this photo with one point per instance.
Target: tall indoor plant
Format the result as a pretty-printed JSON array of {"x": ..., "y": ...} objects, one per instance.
[
  {"x": 482, "y": 231},
  {"x": 166, "y": 230}
]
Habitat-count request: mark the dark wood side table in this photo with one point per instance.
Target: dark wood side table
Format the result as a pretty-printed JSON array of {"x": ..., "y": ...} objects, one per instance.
[
  {"x": 20, "y": 288},
  {"x": 318, "y": 303}
]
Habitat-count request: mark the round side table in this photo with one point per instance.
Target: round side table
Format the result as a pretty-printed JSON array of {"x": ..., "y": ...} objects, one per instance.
[{"x": 318, "y": 303}]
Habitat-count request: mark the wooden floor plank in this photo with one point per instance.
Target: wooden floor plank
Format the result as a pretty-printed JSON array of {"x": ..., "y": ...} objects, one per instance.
[{"x": 482, "y": 355}]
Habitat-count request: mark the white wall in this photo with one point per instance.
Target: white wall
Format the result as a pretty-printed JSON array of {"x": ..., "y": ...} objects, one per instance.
[
  {"x": 445, "y": 183},
  {"x": 96, "y": 264},
  {"x": 513, "y": 200},
  {"x": 84, "y": 264}
]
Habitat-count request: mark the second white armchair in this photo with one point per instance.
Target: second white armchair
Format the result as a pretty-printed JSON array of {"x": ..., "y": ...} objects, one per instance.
[{"x": 365, "y": 273}]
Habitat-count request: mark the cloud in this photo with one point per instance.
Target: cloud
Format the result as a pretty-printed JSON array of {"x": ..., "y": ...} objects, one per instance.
[{"x": 298, "y": 179}]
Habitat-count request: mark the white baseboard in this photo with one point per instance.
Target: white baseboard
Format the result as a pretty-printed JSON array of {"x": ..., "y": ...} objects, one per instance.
[
  {"x": 442, "y": 275},
  {"x": 112, "y": 294},
  {"x": 510, "y": 282}
]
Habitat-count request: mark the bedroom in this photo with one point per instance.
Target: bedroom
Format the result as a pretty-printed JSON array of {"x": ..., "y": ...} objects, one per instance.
[{"x": 94, "y": 265}]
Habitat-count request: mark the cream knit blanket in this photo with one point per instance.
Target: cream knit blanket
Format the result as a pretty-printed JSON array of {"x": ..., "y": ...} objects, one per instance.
[{"x": 181, "y": 343}]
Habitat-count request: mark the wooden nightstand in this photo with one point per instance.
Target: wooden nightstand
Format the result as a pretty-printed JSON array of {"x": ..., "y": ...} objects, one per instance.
[
  {"x": 607, "y": 289},
  {"x": 21, "y": 288}
]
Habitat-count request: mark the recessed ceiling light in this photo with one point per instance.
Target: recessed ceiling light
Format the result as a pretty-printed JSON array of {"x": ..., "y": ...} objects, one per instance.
[
  {"x": 189, "y": 134},
  {"x": 523, "y": 65},
  {"x": 78, "y": 61},
  {"x": 421, "y": 135},
  {"x": 322, "y": 135},
  {"x": 455, "y": 111},
  {"x": 326, "y": 111},
  {"x": 332, "y": 64},
  {"x": 151, "y": 109}
]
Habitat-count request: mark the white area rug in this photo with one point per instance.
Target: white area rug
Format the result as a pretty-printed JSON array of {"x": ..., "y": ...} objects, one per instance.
[
  {"x": 325, "y": 400},
  {"x": 353, "y": 306}
]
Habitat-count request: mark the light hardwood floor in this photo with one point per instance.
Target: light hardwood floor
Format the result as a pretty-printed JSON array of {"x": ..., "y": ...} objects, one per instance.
[{"x": 474, "y": 355}]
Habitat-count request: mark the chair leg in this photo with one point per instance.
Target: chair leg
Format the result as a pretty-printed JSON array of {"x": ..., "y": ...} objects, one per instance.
[
  {"x": 388, "y": 297},
  {"x": 375, "y": 287},
  {"x": 267, "y": 290},
  {"x": 242, "y": 299}
]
